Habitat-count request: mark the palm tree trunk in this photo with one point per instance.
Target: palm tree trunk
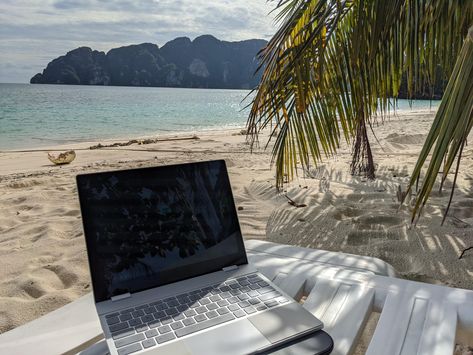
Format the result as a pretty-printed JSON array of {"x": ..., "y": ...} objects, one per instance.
[{"x": 362, "y": 160}]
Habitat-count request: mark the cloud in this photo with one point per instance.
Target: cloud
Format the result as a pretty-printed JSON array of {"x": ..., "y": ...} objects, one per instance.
[{"x": 33, "y": 33}]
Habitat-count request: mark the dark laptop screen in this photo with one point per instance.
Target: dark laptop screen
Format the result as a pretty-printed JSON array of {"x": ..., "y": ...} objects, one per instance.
[{"x": 152, "y": 226}]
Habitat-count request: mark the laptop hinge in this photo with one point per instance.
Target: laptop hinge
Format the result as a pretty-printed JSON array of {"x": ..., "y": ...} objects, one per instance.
[
  {"x": 121, "y": 297},
  {"x": 230, "y": 268}
]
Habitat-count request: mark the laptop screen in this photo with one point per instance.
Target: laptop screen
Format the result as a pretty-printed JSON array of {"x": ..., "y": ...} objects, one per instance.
[{"x": 152, "y": 226}]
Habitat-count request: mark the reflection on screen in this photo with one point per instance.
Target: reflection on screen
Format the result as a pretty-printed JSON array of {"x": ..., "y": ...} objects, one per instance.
[{"x": 148, "y": 227}]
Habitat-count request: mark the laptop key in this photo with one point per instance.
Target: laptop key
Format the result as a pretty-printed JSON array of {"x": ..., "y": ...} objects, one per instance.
[
  {"x": 119, "y": 326},
  {"x": 233, "y": 307},
  {"x": 269, "y": 296},
  {"x": 223, "y": 303},
  {"x": 201, "y": 310},
  {"x": 244, "y": 304},
  {"x": 252, "y": 276},
  {"x": 129, "y": 340},
  {"x": 125, "y": 317},
  {"x": 112, "y": 320},
  {"x": 184, "y": 300},
  {"x": 253, "y": 293},
  {"x": 190, "y": 313},
  {"x": 141, "y": 328},
  {"x": 161, "y": 307},
  {"x": 171, "y": 311},
  {"x": 172, "y": 303},
  {"x": 272, "y": 303},
  {"x": 188, "y": 321},
  {"x": 243, "y": 297},
  {"x": 148, "y": 343},
  {"x": 130, "y": 349},
  {"x": 151, "y": 333},
  {"x": 182, "y": 308},
  {"x": 164, "y": 329},
  {"x": 233, "y": 300},
  {"x": 200, "y": 318},
  {"x": 215, "y": 298},
  {"x": 261, "y": 307},
  {"x": 250, "y": 310},
  {"x": 204, "y": 325},
  {"x": 154, "y": 324},
  {"x": 137, "y": 314},
  {"x": 211, "y": 314},
  {"x": 244, "y": 283},
  {"x": 223, "y": 310},
  {"x": 159, "y": 314},
  {"x": 240, "y": 313},
  {"x": 135, "y": 322},
  {"x": 149, "y": 310},
  {"x": 123, "y": 333},
  {"x": 204, "y": 301},
  {"x": 164, "y": 338},
  {"x": 264, "y": 290},
  {"x": 212, "y": 306},
  {"x": 166, "y": 320},
  {"x": 255, "y": 280},
  {"x": 179, "y": 317},
  {"x": 112, "y": 315},
  {"x": 177, "y": 325},
  {"x": 254, "y": 301},
  {"x": 147, "y": 318},
  {"x": 254, "y": 287},
  {"x": 194, "y": 298}
]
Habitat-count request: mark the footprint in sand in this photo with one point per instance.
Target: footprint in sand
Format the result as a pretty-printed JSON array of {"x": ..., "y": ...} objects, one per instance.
[
  {"x": 376, "y": 228},
  {"x": 346, "y": 212},
  {"x": 66, "y": 277},
  {"x": 44, "y": 280}
]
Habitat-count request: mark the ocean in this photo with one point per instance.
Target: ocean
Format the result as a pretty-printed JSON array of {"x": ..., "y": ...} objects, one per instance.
[{"x": 34, "y": 116}]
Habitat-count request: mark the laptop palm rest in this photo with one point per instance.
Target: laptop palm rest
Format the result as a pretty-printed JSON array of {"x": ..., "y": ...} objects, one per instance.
[
  {"x": 284, "y": 322},
  {"x": 236, "y": 338}
]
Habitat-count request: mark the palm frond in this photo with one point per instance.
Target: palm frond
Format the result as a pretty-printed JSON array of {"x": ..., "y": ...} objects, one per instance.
[{"x": 334, "y": 66}]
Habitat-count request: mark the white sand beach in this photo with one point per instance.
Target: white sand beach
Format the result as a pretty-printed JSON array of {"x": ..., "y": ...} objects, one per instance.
[{"x": 42, "y": 248}]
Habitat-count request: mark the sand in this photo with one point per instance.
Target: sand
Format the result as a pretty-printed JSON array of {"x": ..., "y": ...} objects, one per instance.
[{"x": 42, "y": 249}]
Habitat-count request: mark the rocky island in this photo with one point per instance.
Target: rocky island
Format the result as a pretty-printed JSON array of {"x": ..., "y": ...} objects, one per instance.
[{"x": 205, "y": 62}]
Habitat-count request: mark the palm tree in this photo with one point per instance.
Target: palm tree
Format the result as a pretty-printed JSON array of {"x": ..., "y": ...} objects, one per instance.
[{"x": 333, "y": 66}]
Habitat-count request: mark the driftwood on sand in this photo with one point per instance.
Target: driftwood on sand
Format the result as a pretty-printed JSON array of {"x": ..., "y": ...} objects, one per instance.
[{"x": 140, "y": 142}]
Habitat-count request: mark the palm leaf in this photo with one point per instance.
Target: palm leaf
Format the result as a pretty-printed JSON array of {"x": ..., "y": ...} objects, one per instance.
[{"x": 334, "y": 66}]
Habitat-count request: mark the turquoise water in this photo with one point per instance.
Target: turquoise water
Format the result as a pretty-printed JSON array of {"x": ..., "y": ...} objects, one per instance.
[{"x": 44, "y": 115}]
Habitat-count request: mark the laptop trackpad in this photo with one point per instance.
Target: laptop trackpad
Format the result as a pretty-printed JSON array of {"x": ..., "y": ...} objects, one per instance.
[
  {"x": 231, "y": 339},
  {"x": 283, "y": 322}
]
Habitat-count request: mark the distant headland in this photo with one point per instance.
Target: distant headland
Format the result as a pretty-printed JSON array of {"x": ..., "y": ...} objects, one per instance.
[{"x": 205, "y": 62}]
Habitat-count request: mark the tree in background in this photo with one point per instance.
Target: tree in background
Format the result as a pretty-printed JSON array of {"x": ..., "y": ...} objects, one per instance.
[{"x": 334, "y": 66}]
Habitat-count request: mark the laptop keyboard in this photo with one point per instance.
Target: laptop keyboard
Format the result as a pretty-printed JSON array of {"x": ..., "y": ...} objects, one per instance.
[{"x": 148, "y": 325}]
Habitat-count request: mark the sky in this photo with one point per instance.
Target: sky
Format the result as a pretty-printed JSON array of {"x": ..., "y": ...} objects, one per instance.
[{"x": 34, "y": 32}]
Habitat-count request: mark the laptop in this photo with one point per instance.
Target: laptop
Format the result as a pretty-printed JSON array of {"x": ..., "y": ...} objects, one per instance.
[{"x": 169, "y": 269}]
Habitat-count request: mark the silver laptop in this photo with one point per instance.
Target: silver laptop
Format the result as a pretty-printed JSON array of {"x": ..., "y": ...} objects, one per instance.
[{"x": 169, "y": 269}]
